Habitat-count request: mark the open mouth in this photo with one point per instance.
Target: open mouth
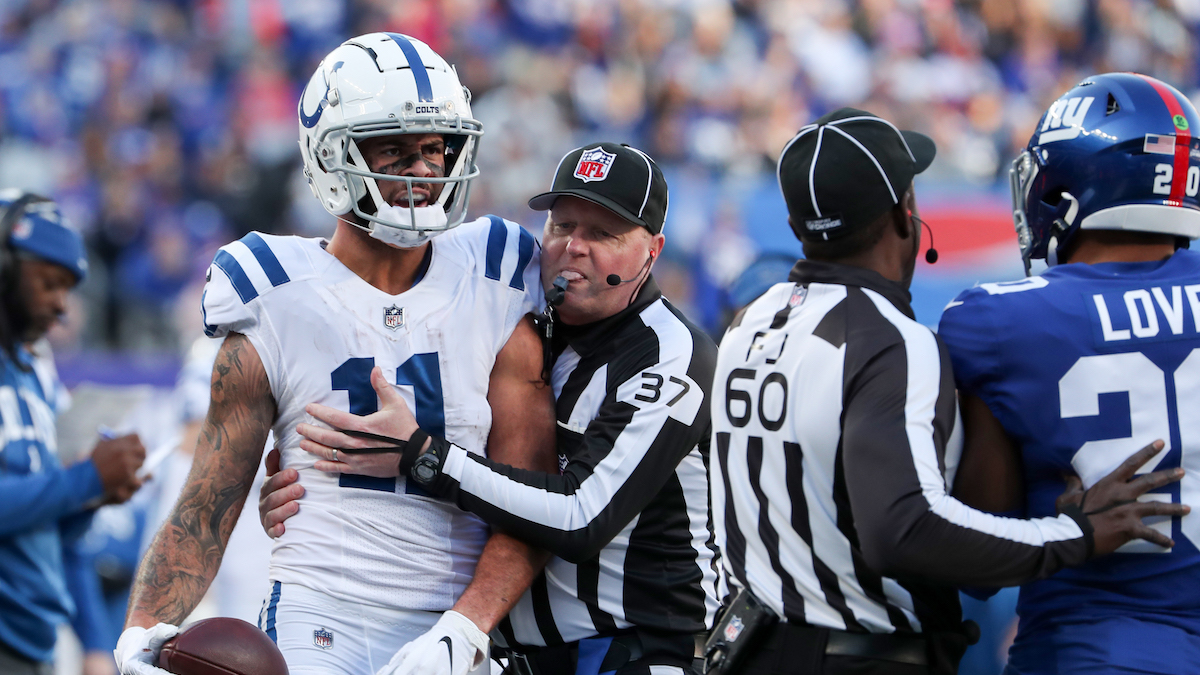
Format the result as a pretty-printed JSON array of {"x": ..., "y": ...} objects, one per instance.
[
  {"x": 418, "y": 200},
  {"x": 420, "y": 196}
]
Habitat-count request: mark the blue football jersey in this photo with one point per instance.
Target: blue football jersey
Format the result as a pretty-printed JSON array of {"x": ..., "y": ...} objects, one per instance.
[{"x": 1084, "y": 365}]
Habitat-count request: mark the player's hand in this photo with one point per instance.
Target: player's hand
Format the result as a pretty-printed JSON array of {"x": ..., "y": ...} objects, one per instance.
[
  {"x": 277, "y": 499},
  {"x": 454, "y": 646},
  {"x": 1112, "y": 508},
  {"x": 137, "y": 650},
  {"x": 117, "y": 461},
  {"x": 393, "y": 419}
]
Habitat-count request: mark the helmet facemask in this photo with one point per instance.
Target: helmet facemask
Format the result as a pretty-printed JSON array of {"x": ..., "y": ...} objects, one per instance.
[{"x": 369, "y": 88}]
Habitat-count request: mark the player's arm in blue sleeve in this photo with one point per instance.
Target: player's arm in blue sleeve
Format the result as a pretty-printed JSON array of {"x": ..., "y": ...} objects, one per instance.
[
  {"x": 83, "y": 583},
  {"x": 34, "y": 499},
  {"x": 74, "y": 526},
  {"x": 989, "y": 476}
]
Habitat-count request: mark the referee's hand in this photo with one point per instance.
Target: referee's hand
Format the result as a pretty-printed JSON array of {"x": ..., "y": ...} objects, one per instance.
[{"x": 1112, "y": 508}]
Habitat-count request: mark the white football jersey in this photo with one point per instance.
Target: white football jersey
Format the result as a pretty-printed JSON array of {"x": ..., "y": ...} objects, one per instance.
[{"x": 319, "y": 330}]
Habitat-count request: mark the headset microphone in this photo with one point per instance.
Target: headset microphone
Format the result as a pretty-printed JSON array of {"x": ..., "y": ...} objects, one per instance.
[
  {"x": 614, "y": 280},
  {"x": 931, "y": 256}
]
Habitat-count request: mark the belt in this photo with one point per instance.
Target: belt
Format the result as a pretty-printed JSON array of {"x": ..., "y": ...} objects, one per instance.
[
  {"x": 911, "y": 649},
  {"x": 592, "y": 656}
]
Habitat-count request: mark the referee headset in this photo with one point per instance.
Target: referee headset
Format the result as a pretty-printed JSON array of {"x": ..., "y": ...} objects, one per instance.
[{"x": 931, "y": 255}]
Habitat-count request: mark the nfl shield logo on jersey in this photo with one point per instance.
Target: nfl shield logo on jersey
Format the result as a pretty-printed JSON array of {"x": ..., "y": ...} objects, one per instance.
[
  {"x": 798, "y": 295},
  {"x": 323, "y": 638},
  {"x": 734, "y": 629},
  {"x": 594, "y": 165},
  {"x": 393, "y": 317}
]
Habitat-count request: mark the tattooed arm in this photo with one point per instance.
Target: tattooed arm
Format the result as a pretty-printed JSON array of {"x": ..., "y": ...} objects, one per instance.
[{"x": 184, "y": 557}]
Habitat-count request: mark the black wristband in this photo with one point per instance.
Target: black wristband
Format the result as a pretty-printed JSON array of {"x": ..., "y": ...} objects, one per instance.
[
  {"x": 1081, "y": 519},
  {"x": 427, "y": 470},
  {"x": 412, "y": 450}
]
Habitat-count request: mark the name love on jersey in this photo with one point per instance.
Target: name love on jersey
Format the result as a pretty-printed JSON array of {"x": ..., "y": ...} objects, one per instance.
[{"x": 1155, "y": 313}]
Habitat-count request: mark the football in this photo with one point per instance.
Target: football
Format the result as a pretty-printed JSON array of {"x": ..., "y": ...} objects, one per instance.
[{"x": 222, "y": 646}]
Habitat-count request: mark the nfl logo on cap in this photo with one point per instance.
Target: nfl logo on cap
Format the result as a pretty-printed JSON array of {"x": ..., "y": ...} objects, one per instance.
[{"x": 594, "y": 165}]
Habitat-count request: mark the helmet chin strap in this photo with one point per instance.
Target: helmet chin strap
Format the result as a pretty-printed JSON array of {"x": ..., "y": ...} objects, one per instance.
[{"x": 1061, "y": 227}]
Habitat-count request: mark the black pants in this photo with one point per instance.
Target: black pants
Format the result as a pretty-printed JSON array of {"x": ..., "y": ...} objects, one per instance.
[
  {"x": 629, "y": 652},
  {"x": 800, "y": 650}
]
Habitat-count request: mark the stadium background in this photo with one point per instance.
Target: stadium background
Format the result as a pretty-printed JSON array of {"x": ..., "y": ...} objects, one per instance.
[{"x": 167, "y": 128}]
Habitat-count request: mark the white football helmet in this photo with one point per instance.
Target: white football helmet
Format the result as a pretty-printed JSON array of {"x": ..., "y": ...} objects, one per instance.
[{"x": 383, "y": 84}]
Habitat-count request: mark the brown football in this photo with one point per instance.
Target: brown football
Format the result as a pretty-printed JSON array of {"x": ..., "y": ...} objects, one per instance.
[{"x": 222, "y": 646}]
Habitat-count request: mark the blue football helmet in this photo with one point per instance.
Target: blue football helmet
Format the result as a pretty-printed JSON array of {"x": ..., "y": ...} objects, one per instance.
[{"x": 1117, "y": 152}]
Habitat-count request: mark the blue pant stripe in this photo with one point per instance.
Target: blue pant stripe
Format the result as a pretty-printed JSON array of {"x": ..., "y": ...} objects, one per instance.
[
  {"x": 591, "y": 654},
  {"x": 524, "y": 254},
  {"x": 269, "y": 627},
  {"x": 237, "y": 276},
  {"x": 266, "y": 258},
  {"x": 424, "y": 88},
  {"x": 495, "y": 248}
]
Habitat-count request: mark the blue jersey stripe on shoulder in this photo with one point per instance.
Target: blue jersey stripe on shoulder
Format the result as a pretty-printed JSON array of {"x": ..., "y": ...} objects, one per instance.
[
  {"x": 497, "y": 239},
  {"x": 266, "y": 258},
  {"x": 232, "y": 269},
  {"x": 524, "y": 254}
]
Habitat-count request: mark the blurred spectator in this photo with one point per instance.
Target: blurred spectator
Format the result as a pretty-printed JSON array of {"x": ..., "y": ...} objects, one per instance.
[
  {"x": 165, "y": 126},
  {"x": 44, "y": 507}
]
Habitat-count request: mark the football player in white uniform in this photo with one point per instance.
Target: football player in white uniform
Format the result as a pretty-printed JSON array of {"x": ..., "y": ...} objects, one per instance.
[{"x": 368, "y": 564}]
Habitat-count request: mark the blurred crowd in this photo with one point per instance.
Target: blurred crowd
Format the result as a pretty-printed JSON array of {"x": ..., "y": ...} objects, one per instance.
[{"x": 167, "y": 128}]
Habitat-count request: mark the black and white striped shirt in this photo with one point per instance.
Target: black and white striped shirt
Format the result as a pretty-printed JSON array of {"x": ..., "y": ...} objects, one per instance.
[
  {"x": 833, "y": 416},
  {"x": 628, "y": 518}
]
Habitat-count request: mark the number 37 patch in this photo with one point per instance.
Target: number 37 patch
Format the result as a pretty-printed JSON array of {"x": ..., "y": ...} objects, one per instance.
[{"x": 676, "y": 391}]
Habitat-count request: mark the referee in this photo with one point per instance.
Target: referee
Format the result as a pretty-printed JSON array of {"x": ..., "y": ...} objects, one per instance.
[
  {"x": 633, "y": 578},
  {"x": 834, "y": 419}
]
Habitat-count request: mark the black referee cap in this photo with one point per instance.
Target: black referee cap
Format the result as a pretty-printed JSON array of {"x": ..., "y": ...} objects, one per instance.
[
  {"x": 846, "y": 169},
  {"x": 618, "y": 177}
]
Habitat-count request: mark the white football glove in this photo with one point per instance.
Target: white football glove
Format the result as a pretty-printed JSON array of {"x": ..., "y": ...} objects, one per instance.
[
  {"x": 137, "y": 650},
  {"x": 454, "y": 646}
]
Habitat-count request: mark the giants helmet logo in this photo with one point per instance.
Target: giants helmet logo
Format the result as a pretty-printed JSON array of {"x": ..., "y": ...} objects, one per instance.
[
  {"x": 1064, "y": 120},
  {"x": 594, "y": 165}
]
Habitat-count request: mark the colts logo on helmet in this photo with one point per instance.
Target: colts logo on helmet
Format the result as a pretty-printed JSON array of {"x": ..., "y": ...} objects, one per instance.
[
  {"x": 1064, "y": 120},
  {"x": 594, "y": 165}
]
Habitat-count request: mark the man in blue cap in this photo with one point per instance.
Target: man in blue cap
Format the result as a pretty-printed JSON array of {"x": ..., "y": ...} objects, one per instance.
[{"x": 42, "y": 504}]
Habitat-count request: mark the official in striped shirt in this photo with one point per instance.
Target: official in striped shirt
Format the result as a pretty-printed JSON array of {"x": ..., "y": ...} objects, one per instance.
[
  {"x": 632, "y": 580},
  {"x": 834, "y": 429}
]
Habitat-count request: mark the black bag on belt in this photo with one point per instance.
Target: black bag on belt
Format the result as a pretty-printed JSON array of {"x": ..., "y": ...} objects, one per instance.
[{"x": 743, "y": 623}]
